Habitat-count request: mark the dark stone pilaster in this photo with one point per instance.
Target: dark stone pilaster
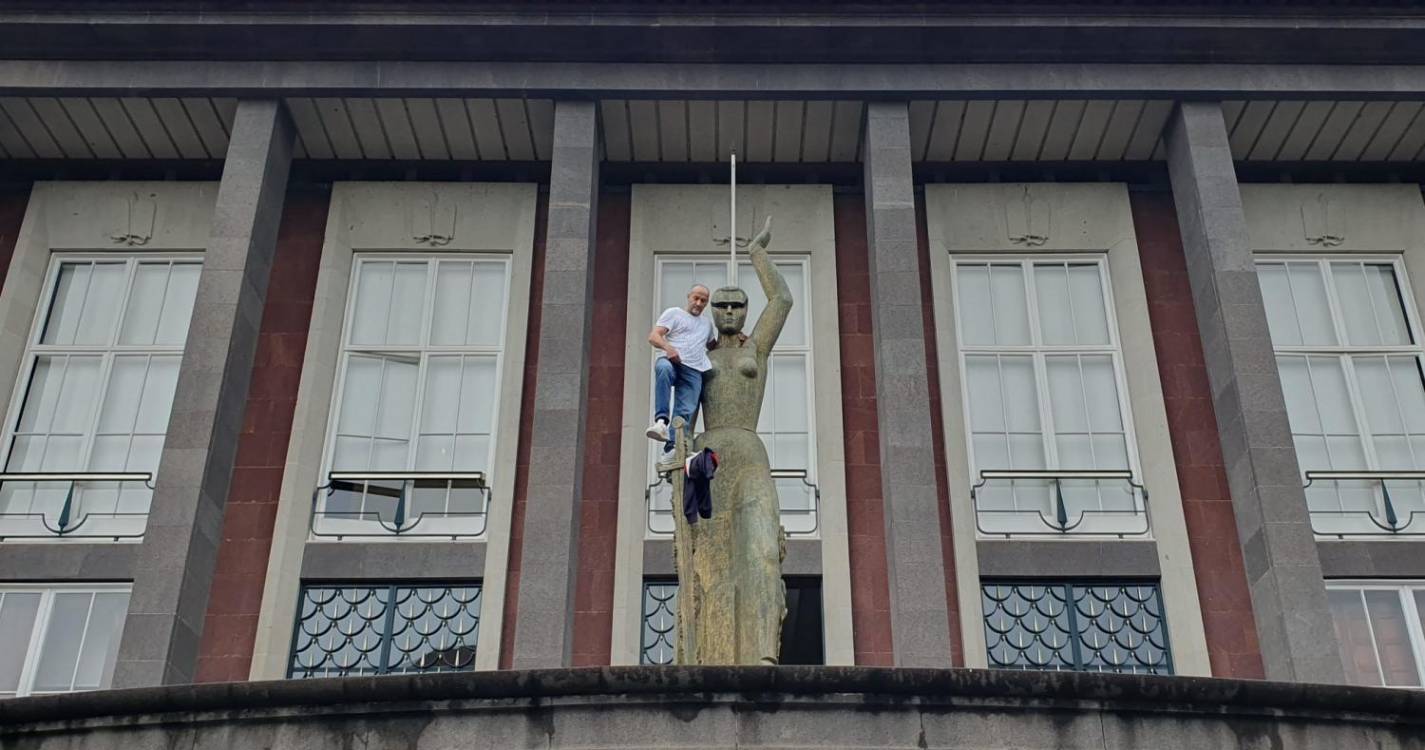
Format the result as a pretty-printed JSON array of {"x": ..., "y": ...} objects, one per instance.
[
  {"x": 920, "y": 621},
  {"x": 174, "y": 565},
  {"x": 545, "y": 605},
  {"x": 1298, "y": 641}
]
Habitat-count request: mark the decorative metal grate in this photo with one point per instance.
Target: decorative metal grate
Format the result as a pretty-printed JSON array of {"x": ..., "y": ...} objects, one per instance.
[
  {"x": 385, "y": 629},
  {"x": 1089, "y": 627},
  {"x": 660, "y": 622}
]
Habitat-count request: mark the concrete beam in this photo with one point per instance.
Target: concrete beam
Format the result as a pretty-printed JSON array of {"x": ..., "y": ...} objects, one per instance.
[
  {"x": 712, "y": 80},
  {"x": 174, "y": 565},
  {"x": 920, "y": 620},
  {"x": 1273, "y": 525},
  {"x": 545, "y": 613}
]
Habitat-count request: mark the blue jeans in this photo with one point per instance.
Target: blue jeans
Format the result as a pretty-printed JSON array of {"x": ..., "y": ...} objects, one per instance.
[{"x": 686, "y": 385}]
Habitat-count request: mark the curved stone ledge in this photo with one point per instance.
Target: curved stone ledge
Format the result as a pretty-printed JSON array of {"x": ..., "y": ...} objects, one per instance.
[{"x": 623, "y": 707}]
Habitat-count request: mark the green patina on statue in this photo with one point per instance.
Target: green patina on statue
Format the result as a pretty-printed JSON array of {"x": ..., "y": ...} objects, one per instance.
[{"x": 731, "y": 599}]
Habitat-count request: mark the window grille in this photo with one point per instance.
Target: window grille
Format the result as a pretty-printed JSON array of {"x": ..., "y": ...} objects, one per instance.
[
  {"x": 660, "y": 622},
  {"x": 1086, "y": 627},
  {"x": 370, "y": 629}
]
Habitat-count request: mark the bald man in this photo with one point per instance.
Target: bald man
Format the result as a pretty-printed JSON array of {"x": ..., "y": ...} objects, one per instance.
[{"x": 682, "y": 337}]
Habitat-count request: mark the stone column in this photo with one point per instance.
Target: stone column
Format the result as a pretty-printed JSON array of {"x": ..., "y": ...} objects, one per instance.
[
  {"x": 544, "y": 614},
  {"x": 175, "y": 563},
  {"x": 1293, "y": 619},
  {"x": 920, "y": 621}
]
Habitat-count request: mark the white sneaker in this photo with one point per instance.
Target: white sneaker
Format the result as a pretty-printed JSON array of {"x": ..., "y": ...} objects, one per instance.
[
  {"x": 658, "y": 431},
  {"x": 667, "y": 461}
]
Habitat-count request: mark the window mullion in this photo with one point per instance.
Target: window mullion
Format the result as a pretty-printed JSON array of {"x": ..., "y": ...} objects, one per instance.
[
  {"x": 130, "y": 272},
  {"x": 86, "y": 448},
  {"x": 32, "y": 651},
  {"x": 83, "y": 636},
  {"x": 1041, "y": 382},
  {"x": 375, "y": 424},
  {"x": 1358, "y": 410},
  {"x": 417, "y": 406},
  {"x": 1047, "y": 428},
  {"x": 1333, "y": 302},
  {"x": 1371, "y": 629}
]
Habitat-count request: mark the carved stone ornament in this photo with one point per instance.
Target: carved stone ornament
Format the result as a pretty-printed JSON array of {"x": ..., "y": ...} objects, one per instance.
[
  {"x": 434, "y": 222},
  {"x": 138, "y": 212},
  {"x": 1027, "y": 219},
  {"x": 1320, "y": 222}
]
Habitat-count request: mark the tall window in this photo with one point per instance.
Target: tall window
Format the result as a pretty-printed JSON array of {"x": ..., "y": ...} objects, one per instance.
[
  {"x": 1349, "y": 357},
  {"x": 786, "y": 424},
  {"x": 96, "y": 390},
  {"x": 59, "y": 639},
  {"x": 1043, "y": 390},
  {"x": 418, "y": 386},
  {"x": 1378, "y": 625}
]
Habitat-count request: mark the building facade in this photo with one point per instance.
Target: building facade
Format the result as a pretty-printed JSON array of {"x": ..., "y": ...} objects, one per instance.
[{"x": 324, "y": 332}]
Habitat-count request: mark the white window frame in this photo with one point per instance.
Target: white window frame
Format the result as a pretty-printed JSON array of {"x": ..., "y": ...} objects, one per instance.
[
  {"x": 1039, "y": 353},
  {"x": 1344, "y": 352},
  {"x": 1413, "y": 618},
  {"x": 47, "y": 592},
  {"x": 369, "y": 532},
  {"x": 661, "y": 517},
  {"x": 34, "y": 349}
]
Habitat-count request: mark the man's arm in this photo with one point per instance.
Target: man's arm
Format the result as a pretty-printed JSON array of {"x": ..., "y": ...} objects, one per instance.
[{"x": 658, "y": 337}]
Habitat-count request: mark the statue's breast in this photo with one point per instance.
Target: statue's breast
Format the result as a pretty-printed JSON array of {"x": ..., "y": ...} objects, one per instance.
[{"x": 740, "y": 361}]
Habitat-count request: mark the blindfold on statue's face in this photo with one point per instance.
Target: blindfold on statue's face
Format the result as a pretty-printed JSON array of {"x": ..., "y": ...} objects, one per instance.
[{"x": 729, "y": 306}]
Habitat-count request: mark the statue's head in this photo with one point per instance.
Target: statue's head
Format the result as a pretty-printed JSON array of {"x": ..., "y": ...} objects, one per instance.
[{"x": 729, "y": 306}]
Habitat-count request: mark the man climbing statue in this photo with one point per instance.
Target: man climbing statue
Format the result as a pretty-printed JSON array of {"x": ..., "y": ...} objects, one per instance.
[{"x": 682, "y": 337}]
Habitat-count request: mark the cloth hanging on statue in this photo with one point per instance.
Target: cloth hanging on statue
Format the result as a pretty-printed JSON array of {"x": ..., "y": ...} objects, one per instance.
[{"x": 698, "y": 473}]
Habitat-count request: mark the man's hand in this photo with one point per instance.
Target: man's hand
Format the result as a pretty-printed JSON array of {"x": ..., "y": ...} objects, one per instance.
[{"x": 673, "y": 355}]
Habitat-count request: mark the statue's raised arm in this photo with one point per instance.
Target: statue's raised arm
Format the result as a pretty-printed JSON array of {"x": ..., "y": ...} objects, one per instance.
[{"x": 774, "y": 286}]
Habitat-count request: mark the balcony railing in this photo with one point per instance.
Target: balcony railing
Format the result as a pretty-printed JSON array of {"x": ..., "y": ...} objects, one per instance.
[
  {"x": 1034, "y": 502},
  {"x": 414, "y": 504},
  {"x": 1366, "y": 504},
  {"x": 81, "y": 504},
  {"x": 660, "y": 518}
]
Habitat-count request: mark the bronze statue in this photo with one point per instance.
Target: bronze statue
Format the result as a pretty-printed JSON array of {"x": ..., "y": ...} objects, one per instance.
[{"x": 731, "y": 599}]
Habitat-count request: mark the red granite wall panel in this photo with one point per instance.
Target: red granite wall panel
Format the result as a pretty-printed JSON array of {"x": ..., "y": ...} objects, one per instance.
[
  {"x": 521, "y": 490},
  {"x": 598, "y": 519},
  {"x": 1212, "y": 529},
  {"x": 865, "y": 512},
  {"x": 937, "y": 432},
  {"x": 230, "y": 625}
]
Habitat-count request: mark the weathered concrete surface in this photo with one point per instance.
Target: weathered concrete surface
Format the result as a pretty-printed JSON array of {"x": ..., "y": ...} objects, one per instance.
[{"x": 707, "y": 707}]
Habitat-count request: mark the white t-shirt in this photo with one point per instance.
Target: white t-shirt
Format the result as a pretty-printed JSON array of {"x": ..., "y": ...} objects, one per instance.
[{"x": 690, "y": 335}]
